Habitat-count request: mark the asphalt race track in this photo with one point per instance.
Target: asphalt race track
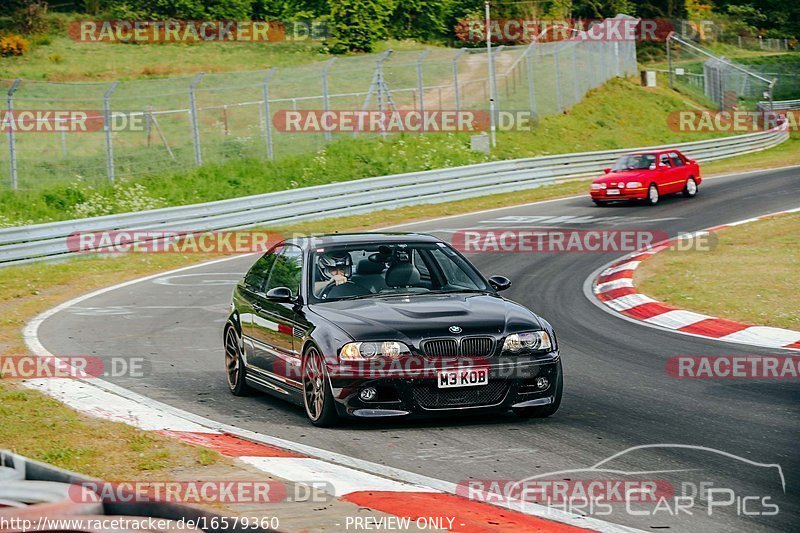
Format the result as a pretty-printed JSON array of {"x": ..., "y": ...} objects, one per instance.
[{"x": 617, "y": 393}]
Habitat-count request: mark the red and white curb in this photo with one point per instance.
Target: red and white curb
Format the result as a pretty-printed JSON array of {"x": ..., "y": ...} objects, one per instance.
[
  {"x": 379, "y": 487},
  {"x": 614, "y": 288}
]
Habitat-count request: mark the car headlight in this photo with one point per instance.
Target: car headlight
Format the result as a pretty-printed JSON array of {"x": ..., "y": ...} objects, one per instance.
[
  {"x": 634, "y": 184},
  {"x": 529, "y": 341},
  {"x": 364, "y": 351},
  {"x": 598, "y": 186}
]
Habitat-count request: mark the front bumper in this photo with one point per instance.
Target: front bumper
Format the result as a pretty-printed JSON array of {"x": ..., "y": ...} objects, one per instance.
[
  {"x": 624, "y": 194},
  {"x": 511, "y": 383}
]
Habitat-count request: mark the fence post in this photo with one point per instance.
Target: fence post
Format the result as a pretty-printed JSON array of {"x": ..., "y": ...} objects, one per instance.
[
  {"x": 267, "y": 121},
  {"x": 559, "y": 104},
  {"x": 575, "y": 75},
  {"x": 531, "y": 87},
  {"x": 325, "y": 105},
  {"x": 12, "y": 152},
  {"x": 455, "y": 77},
  {"x": 107, "y": 129},
  {"x": 496, "y": 53},
  {"x": 669, "y": 60},
  {"x": 420, "y": 86},
  {"x": 198, "y": 156}
]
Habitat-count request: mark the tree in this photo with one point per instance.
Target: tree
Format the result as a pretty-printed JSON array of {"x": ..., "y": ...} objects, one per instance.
[
  {"x": 356, "y": 24},
  {"x": 421, "y": 19}
]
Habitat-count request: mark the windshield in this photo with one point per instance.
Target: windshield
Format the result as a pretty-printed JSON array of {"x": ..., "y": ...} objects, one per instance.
[
  {"x": 634, "y": 162},
  {"x": 377, "y": 270}
]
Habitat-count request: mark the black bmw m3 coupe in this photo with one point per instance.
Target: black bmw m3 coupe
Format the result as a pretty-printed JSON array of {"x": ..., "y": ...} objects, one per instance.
[{"x": 386, "y": 325}]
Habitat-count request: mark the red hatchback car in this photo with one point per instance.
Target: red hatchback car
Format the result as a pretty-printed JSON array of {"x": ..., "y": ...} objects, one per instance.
[{"x": 647, "y": 176}]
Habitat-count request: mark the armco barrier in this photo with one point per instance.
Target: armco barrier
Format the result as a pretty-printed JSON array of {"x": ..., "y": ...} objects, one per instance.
[
  {"x": 46, "y": 492},
  {"x": 47, "y": 241},
  {"x": 779, "y": 105}
]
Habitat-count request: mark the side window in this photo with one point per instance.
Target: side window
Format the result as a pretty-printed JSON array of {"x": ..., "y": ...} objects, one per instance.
[
  {"x": 676, "y": 159},
  {"x": 256, "y": 277},
  {"x": 664, "y": 159},
  {"x": 287, "y": 271},
  {"x": 455, "y": 276}
]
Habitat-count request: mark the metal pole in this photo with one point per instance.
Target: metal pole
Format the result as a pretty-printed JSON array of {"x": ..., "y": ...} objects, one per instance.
[
  {"x": 531, "y": 88},
  {"x": 267, "y": 121},
  {"x": 198, "y": 157},
  {"x": 455, "y": 77},
  {"x": 107, "y": 129},
  {"x": 495, "y": 53},
  {"x": 575, "y": 76},
  {"x": 559, "y": 104},
  {"x": 669, "y": 60},
  {"x": 11, "y": 140},
  {"x": 492, "y": 126},
  {"x": 420, "y": 87},
  {"x": 325, "y": 105},
  {"x": 63, "y": 145}
]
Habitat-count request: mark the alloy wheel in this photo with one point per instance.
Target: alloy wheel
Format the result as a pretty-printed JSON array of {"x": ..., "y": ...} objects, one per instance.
[
  {"x": 314, "y": 384},
  {"x": 232, "y": 358}
]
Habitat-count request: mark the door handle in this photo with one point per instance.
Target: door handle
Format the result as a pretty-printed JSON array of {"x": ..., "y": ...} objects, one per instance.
[{"x": 257, "y": 307}]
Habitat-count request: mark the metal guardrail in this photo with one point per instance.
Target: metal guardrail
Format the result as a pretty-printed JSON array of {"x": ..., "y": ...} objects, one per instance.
[
  {"x": 779, "y": 105},
  {"x": 47, "y": 241}
]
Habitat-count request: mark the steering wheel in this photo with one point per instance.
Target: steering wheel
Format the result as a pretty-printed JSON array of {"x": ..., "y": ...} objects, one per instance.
[{"x": 328, "y": 288}]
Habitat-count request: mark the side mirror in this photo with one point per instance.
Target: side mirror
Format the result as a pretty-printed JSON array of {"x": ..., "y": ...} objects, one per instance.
[
  {"x": 499, "y": 283},
  {"x": 607, "y": 170},
  {"x": 280, "y": 294},
  {"x": 652, "y": 166}
]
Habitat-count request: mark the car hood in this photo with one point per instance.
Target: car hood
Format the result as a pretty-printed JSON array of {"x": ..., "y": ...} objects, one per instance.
[
  {"x": 624, "y": 176},
  {"x": 411, "y": 318}
]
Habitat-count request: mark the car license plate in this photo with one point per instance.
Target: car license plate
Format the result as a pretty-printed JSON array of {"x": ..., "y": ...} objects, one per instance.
[
  {"x": 462, "y": 378},
  {"x": 612, "y": 191}
]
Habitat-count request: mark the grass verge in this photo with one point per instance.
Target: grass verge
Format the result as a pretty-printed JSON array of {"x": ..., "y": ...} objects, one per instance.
[{"x": 751, "y": 276}]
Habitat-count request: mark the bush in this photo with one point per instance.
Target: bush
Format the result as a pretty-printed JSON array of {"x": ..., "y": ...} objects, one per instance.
[{"x": 13, "y": 45}]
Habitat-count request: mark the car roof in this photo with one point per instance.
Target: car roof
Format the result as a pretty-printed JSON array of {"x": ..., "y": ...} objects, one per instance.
[
  {"x": 331, "y": 239},
  {"x": 654, "y": 152}
]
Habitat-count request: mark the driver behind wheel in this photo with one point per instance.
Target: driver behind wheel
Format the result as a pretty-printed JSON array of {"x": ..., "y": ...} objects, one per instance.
[{"x": 336, "y": 267}]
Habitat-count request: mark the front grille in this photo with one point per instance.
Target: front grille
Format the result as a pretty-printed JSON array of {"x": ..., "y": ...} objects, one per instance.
[
  {"x": 477, "y": 346},
  {"x": 466, "y": 347},
  {"x": 432, "y": 398},
  {"x": 441, "y": 347}
]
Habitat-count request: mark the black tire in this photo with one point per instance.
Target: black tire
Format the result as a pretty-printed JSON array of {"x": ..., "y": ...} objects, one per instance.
[
  {"x": 545, "y": 410},
  {"x": 690, "y": 189},
  {"x": 317, "y": 395},
  {"x": 652, "y": 195},
  {"x": 234, "y": 365},
  {"x": 600, "y": 203}
]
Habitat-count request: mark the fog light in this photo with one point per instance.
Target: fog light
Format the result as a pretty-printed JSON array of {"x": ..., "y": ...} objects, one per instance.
[
  {"x": 368, "y": 394},
  {"x": 542, "y": 383}
]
